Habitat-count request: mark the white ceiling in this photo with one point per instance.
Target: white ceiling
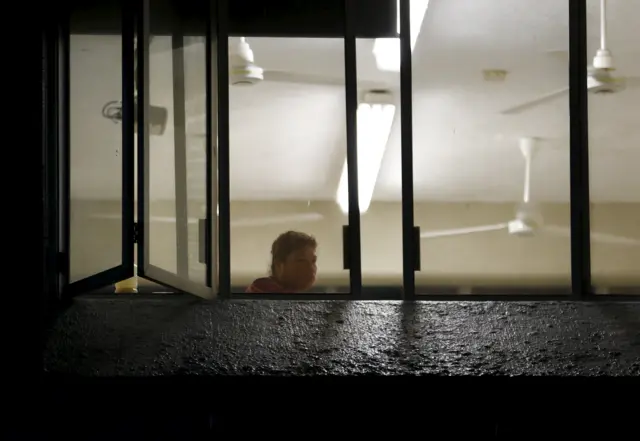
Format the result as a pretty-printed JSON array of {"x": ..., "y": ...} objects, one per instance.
[{"x": 288, "y": 140}]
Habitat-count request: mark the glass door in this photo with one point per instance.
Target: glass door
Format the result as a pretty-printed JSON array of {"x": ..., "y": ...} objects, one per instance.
[
  {"x": 96, "y": 145},
  {"x": 175, "y": 135}
]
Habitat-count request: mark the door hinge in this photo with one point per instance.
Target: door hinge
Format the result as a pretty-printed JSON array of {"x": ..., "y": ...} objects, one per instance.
[{"x": 136, "y": 232}]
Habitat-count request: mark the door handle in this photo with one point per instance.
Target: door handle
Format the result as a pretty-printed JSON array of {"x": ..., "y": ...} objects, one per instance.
[
  {"x": 346, "y": 255},
  {"x": 416, "y": 249}
]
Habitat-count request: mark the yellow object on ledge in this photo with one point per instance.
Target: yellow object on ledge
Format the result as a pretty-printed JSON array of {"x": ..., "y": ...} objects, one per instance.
[{"x": 130, "y": 285}]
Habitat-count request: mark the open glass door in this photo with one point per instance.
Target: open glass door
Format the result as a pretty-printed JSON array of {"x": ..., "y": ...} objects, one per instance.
[
  {"x": 176, "y": 197},
  {"x": 96, "y": 145}
]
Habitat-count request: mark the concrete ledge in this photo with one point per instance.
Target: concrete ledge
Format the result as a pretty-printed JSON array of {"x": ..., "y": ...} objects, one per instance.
[{"x": 99, "y": 337}]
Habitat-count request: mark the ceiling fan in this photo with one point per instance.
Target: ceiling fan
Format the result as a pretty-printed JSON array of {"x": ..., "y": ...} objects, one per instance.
[
  {"x": 528, "y": 220},
  {"x": 261, "y": 221},
  {"x": 600, "y": 78},
  {"x": 244, "y": 71}
]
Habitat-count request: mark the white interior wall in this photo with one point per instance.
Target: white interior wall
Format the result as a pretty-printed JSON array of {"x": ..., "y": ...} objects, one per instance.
[{"x": 493, "y": 258}]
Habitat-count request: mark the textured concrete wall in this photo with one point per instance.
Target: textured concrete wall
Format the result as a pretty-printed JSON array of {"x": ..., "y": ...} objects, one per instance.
[{"x": 181, "y": 335}]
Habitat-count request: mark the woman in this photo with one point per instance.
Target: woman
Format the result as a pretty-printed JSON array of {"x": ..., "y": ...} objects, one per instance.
[{"x": 293, "y": 265}]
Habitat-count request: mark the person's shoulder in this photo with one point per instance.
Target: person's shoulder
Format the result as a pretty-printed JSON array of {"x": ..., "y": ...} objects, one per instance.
[{"x": 264, "y": 284}]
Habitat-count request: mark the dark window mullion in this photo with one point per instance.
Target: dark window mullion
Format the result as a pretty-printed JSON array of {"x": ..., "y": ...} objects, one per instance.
[
  {"x": 224, "y": 217},
  {"x": 351, "y": 101},
  {"x": 579, "y": 151},
  {"x": 211, "y": 81},
  {"x": 142, "y": 83},
  {"x": 129, "y": 22},
  {"x": 410, "y": 240}
]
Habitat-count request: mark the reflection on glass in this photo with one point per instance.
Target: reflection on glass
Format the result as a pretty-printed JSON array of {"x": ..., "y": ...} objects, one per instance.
[
  {"x": 380, "y": 206},
  {"x": 613, "y": 146},
  {"x": 95, "y": 160},
  {"x": 387, "y": 50},
  {"x": 491, "y": 159},
  {"x": 287, "y": 143},
  {"x": 177, "y": 170},
  {"x": 375, "y": 119}
]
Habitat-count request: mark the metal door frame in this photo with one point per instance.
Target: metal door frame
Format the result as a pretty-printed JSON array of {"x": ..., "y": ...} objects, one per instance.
[
  {"x": 125, "y": 269},
  {"x": 352, "y": 250},
  {"x": 180, "y": 280},
  {"x": 58, "y": 176}
]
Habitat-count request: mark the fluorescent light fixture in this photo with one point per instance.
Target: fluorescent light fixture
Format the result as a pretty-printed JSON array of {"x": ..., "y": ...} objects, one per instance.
[
  {"x": 375, "y": 118},
  {"x": 387, "y": 50}
]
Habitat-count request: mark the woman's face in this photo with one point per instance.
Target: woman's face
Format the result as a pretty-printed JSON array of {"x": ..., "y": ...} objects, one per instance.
[{"x": 299, "y": 269}]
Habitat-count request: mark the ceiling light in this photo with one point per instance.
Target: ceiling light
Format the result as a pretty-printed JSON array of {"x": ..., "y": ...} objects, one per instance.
[
  {"x": 387, "y": 50},
  {"x": 375, "y": 117}
]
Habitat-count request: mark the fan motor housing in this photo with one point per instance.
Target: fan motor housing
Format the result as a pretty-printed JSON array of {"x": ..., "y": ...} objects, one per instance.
[
  {"x": 519, "y": 227},
  {"x": 245, "y": 75},
  {"x": 600, "y": 85}
]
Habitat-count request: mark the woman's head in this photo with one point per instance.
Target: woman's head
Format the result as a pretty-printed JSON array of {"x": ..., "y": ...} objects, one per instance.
[{"x": 293, "y": 260}]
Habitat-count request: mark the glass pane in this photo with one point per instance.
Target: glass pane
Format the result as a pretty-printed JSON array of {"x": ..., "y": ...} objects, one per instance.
[
  {"x": 380, "y": 205},
  {"x": 613, "y": 149},
  {"x": 288, "y": 149},
  {"x": 177, "y": 170},
  {"x": 176, "y": 153},
  {"x": 95, "y": 150},
  {"x": 491, "y": 146}
]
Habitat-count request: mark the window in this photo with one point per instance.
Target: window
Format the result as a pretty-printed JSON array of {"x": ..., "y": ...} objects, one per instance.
[
  {"x": 287, "y": 149},
  {"x": 96, "y": 151},
  {"x": 491, "y": 148},
  {"x": 412, "y": 148},
  {"x": 614, "y": 137}
]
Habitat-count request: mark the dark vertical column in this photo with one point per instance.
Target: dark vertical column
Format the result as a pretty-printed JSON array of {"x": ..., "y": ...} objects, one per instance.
[
  {"x": 56, "y": 81},
  {"x": 579, "y": 151},
  {"x": 142, "y": 82},
  {"x": 52, "y": 58},
  {"x": 351, "y": 95},
  {"x": 224, "y": 218},
  {"x": 410, "y": 235},
  {"x": 211, "y": 138},
  {"x": 129, "y": 14},
  {"x": 63, "y": 133},
  {"x": 180, "y": 146}
]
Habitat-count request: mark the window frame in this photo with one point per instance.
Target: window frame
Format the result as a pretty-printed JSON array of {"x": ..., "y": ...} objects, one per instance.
[{"x": 56, "y": 77}]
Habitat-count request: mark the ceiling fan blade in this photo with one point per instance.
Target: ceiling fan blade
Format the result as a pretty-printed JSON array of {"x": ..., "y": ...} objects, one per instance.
[
  {"x": 246, "y": 222},
  {"x": 281, "y": 76},
  {"x": 632, "y": 81},
  {"x": 536, "y": 102},
  {"x": 462, "y": 231},
  {"x": 556, "y": 231},
  {"x": 165, "y": 45},
  {"x": 276, "y": 220},
  {"x": 158, "y": 219},
  {"x": 559, "y": 54},
  {"x": 603, "y": 238},
  {"x": 612, "y": 239},
  {"x": 291, "y": 77},
  {"x": 168, "y": 219}
]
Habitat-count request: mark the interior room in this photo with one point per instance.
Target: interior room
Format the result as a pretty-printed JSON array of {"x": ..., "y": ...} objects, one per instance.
[{"x": 490, "y": 150}]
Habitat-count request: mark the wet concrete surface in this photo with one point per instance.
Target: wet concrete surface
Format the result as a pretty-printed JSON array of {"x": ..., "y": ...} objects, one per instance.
[{"x": 106, "y": 337}]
